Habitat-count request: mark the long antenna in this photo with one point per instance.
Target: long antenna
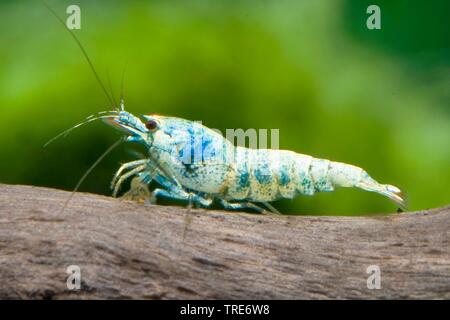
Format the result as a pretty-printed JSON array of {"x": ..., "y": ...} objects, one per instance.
[
  {"x": 93, "y": 117},
  {"x": 111, "y": 100},
  {"x": 89, "y": 171},
  {"x": 121, "y": 90},
  {"x": 90, "y": 118},
  {"x": 111, "y": 92}
]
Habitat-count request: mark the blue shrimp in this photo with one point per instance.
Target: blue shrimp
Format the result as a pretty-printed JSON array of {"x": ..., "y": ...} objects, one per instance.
[{"x": 192, "y": 162}]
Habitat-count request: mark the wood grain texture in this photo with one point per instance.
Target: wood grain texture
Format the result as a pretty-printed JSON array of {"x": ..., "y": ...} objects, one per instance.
[{"x": 128, "y": 250}]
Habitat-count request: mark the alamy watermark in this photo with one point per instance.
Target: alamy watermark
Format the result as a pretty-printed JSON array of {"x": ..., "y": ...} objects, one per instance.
[
  {"x": 374, "y": 280},
  {"x": 204, "y": 146},
  {"x": 374, "y": 20},
  {"x": 73, "y": 281},
  {"x": 74, "y": 19}
]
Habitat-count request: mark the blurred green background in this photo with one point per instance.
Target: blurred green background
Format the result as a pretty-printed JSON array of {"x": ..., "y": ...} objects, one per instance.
[{"x": 378, "y": 99}]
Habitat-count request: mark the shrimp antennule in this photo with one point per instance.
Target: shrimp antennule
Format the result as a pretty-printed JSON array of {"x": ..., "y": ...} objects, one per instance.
[{"x": 92, "y": 117}]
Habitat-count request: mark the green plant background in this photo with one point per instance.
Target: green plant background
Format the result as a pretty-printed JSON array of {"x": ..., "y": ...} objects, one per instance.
[{"x": 378, "y": 99}]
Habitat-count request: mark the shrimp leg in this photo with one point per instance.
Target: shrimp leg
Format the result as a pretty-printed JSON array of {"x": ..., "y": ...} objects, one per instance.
[
  {"x": 241, "y": 205},
  {"x": 177, "y": 193},
  {"x": 126, "y": 176},
  {"x": 126, "y": 166}
]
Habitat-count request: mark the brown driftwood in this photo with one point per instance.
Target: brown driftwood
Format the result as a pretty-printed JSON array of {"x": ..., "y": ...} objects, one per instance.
[{"x": 128, "y": 250}]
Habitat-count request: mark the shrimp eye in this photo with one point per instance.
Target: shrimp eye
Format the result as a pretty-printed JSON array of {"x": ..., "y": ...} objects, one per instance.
[{"x": 151, "y": 125}]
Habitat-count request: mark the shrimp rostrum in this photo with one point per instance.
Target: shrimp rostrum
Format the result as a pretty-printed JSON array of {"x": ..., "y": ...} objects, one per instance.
[{"x": 194, "y": 163}]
